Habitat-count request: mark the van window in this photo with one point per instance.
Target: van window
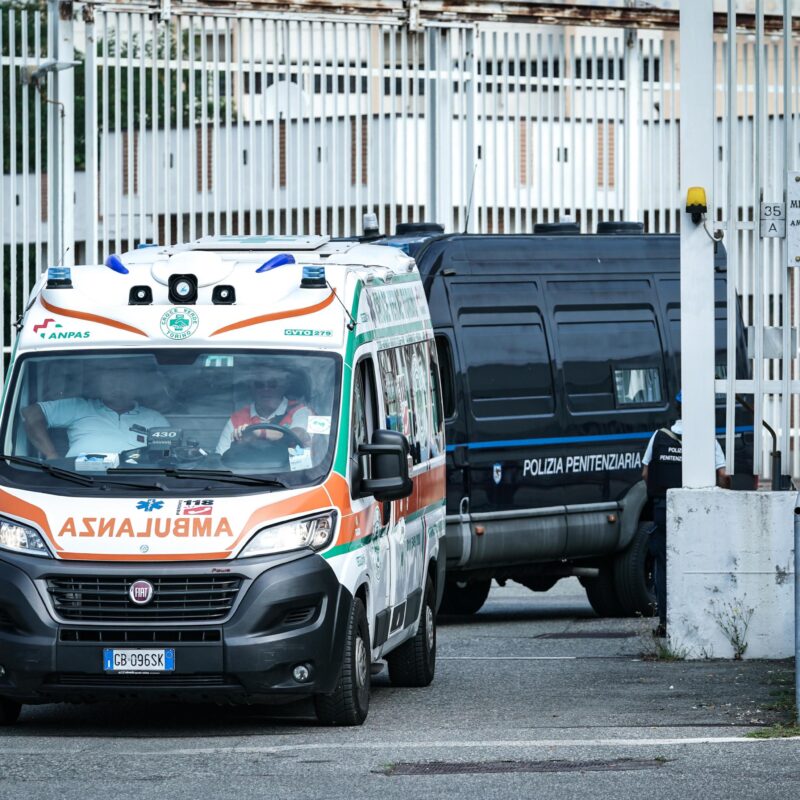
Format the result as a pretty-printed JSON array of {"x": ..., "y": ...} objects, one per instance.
[
  {"x": 364, "y": 412},
  {"x": 637, "y": 386},
  {"x": 437, "y": 410},
  {"x": 608, "y": 357},
  {"x": 445, "y": 357}
]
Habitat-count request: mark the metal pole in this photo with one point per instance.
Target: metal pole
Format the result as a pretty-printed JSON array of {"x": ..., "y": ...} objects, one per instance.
[
  {"x": 797, "y": 608},
  {"x": 633, "y": 82},
  {"x": 697, "y": 249}
]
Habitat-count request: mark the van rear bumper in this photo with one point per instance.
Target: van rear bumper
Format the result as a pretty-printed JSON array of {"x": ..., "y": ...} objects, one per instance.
[{"x": 288, "y": 611}]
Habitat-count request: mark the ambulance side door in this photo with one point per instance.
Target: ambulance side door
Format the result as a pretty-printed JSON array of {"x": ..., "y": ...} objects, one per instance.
[
  {"x": 365, "y": 420},
  {"x": 405, "y": 536}
]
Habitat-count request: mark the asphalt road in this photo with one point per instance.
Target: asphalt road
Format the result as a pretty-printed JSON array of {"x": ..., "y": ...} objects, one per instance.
[{"x": 533, "y": 697}]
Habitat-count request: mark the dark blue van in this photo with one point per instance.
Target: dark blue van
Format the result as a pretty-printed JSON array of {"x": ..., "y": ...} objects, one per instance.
[{"x": 559, "y": 355}]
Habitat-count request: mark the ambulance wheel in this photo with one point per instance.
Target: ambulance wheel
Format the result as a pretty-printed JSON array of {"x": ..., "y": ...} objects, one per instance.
[
  {"x": 602, "y": 593},
  {"x": 633, "y": 575},
  {"x": 9, "y": 711},
  {"x": 348, "y": 704},
  {"x": 464, "y": 597},
  {"x": 414, "y": 662}
]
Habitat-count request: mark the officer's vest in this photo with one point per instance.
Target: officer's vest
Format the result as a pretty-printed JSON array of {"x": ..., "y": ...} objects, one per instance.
[
  {"x": 243, "y": 416},
  {"x": 665, "y": 470}
]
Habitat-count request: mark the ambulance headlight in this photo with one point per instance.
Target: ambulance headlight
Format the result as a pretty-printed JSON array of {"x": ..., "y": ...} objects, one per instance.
[
  {"x": 21, "y": 539},
  {"x": 315, "y": 532}
]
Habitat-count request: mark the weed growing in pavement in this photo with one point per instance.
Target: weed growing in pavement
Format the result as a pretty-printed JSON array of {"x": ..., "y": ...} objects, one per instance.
[
  {"x": 663, "y": 650},
  {"x": 778, "y": 731},
  {"x": 733, "y": 619}
]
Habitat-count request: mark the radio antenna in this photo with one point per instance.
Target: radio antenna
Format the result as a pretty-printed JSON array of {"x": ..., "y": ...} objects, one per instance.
[
  {"x": 352, "y": 324},
  {"x": 469, "y": 202}
]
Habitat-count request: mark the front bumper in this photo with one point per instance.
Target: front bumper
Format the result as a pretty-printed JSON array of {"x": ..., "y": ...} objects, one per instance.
[{"x": 289, "y": 610}]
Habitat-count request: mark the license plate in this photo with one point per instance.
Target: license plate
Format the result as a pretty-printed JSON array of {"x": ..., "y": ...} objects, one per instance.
[{"x": 138, "y": 660}]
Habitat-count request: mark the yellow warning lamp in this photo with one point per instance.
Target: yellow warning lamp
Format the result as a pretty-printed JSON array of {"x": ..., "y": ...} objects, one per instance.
[{"x": 696, "y": 203}]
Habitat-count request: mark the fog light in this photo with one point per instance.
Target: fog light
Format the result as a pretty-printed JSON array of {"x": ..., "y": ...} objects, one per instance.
[
  {"x": 2, "y": 671},
  {"x": 301, "y": 673}
]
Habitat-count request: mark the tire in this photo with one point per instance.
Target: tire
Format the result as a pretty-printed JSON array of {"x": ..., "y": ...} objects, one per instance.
[
  {"x": 465, "y": 597},
  {"x": 348, "y": 704},
  {"x": 414, "y": 662},
  {"x": 633, "y": 575},
  {"x": 602, "y": 593},
  {"x": 9, "y": 711}
]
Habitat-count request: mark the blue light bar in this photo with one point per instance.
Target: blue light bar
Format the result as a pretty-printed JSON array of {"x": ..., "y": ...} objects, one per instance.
[
  {"x": 313, "y": 278},
  {"x": 276, "y": 261},
  {"x": 115, "y": 262},
  {"x": 59, "y": 278}
]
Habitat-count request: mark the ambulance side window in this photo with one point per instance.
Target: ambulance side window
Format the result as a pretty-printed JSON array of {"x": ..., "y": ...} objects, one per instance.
[{"x": 364, "y": 408}]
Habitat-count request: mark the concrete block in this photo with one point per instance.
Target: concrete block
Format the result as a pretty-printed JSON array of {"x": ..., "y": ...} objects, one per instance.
[{"x": 730, "y": 573}]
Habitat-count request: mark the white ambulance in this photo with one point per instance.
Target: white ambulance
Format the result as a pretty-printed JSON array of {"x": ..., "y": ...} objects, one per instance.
[{"x": 222, "y": 478}]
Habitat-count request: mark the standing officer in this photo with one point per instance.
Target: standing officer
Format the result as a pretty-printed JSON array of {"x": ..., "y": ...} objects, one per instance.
[{"x": 663, "y": 469}]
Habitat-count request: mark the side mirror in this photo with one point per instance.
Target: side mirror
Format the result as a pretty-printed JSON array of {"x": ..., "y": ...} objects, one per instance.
[{"x": 387, "y": 466}]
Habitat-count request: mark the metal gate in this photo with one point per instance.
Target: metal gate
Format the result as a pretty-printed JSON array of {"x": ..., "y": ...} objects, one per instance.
[{"x": 166, "y": 121}]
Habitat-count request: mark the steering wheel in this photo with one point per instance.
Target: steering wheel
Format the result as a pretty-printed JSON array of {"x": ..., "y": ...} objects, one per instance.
[{"x": 290, "y": 438}]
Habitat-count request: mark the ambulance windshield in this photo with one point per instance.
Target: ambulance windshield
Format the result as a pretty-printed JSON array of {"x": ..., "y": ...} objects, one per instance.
[{"x": 119, "y": 417}]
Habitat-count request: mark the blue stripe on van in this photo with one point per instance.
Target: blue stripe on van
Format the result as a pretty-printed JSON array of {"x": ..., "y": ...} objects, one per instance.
[{"x": 614, "y": 437}]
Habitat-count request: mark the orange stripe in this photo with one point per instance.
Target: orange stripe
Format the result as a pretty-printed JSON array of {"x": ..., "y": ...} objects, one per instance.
[
  {"x": 27, "y": 511},
  {"x": 112, "y": 323},
  {"x": 298, "y": 312}
]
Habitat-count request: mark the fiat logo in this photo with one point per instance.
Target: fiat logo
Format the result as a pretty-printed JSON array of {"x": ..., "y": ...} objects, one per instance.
[{"x": 141, "y": 592}]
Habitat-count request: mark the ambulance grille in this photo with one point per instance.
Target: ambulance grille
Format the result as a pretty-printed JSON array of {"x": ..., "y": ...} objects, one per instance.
[{"x": 188, "y": 598}]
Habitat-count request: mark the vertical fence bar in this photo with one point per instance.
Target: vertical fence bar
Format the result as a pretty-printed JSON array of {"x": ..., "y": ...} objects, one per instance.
[
  {"x": 732, "y": 241},
  {"x": 758, "y": 272},
  {"x": 39, "y": 206},
  {"x": 179, "y": 130},
  {"x": 786, "y": 318},
  {"x": 128, "y": 138},
  {"x": 14, "y": 168}
]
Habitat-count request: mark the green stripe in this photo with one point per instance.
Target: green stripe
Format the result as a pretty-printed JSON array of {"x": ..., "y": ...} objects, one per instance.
[
  {"x": 356, "y": 544},
  {"x": 342, "y": 446}
]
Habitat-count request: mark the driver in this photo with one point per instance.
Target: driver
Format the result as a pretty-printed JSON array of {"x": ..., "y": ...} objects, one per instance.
[
  {"x": 270, "y": 405},
  {"x": 110, "y": 423}
]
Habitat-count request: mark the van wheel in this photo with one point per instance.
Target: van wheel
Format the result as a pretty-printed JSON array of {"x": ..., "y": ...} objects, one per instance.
[
  {"x": 414, "y": 662},
  {"x": 348, "y": 704},
  {"x": 9, "y": 711},
  {"x": 464, "y": 597},
  {"x": 633, "y": 575},
  {"x": 602, "y": 593}
]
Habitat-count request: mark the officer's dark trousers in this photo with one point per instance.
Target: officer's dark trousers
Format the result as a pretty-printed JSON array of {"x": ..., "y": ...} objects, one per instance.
[{"x": 658, "y": 548}]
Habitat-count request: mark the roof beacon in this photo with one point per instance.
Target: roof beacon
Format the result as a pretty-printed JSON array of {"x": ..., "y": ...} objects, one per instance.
[
  {"x": 115, "y": 262},
  {"x": 277, "y": 261},
  {"x": 59, "y": 278},
  {"x": 371, "y": 229},
  {"x": 313, "y": 278}
]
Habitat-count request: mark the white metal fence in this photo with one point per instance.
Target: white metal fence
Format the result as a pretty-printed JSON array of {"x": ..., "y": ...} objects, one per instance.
[{"x": 170, "y": 126}]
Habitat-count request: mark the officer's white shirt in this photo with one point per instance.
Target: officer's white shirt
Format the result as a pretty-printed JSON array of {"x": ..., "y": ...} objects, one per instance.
[
  {"x": 93, "y": 427},
  {"x": 677, "y": 429},
  {"x": 299, "y": 420}
]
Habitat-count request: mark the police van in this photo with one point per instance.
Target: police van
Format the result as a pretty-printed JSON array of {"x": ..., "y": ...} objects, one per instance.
[
  {"x": 223, "y": 478},
  {"x": 560, "y": 356}
]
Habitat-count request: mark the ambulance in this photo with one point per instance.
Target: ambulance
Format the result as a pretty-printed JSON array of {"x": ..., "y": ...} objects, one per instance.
[{"x": 222, "y": 478}]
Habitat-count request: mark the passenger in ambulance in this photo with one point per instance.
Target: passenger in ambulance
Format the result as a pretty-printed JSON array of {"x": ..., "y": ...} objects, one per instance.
[
  {"x": 110, "y": 422},
  {"x": 279, "y": 396}
]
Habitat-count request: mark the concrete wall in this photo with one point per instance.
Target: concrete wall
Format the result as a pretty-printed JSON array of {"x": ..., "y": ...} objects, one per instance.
[{"x": 730, "y": 564}]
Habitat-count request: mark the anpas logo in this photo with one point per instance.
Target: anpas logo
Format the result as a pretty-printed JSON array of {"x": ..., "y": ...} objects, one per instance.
[
  {"x": 59, "y": 332},
  {"x": 179, "y": 323}
]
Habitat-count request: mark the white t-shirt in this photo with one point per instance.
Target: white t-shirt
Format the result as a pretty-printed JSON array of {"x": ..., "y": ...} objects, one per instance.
[
  {"x": 93, "y": 427},
  {"x": 299, "y": 420},
  {"x": 677, "y": 429}
]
